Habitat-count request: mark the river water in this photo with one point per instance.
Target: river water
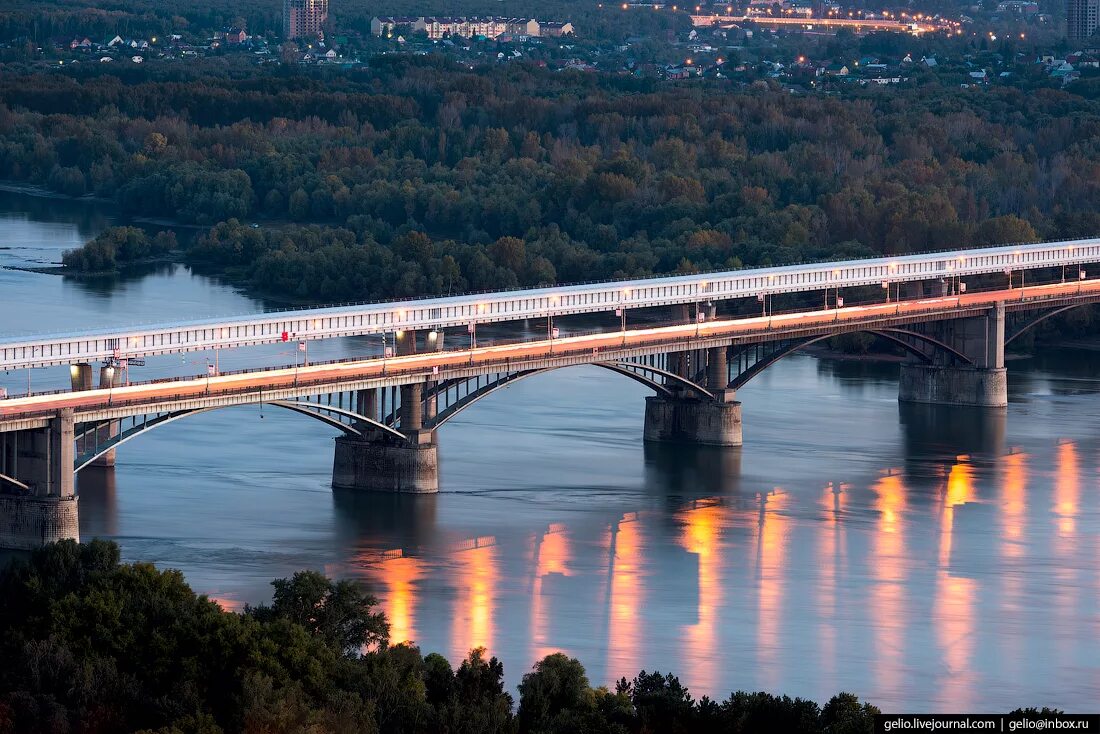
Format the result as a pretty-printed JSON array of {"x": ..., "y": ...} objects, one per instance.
[{"x": 925, "y": 559}]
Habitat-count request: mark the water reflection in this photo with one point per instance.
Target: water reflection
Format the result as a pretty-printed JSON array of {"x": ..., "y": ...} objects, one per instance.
[
  {"x": 904, "y": 553},
  {"x": 377, "y": 521},
  {"x": 400, "y": 574},
  {"x": 772, "y": 532},
  {"x": 942, "y": 430},
  {"x": 1066, "y": 490},
  {"x": 626, "y": 596},
  {"x": 954, "y": 595},
  {"x": 889, "y": 608},
  {"x": 831, "y": 555},
  {"x": 683, "y": 472},
  {"x": 701, "y": 535},
  {"x": 476, "y": 575},
  {"x": 552, "y": 556}
]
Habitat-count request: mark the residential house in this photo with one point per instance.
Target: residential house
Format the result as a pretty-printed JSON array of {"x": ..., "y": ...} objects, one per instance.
[
  {"x": 234, "y": 36},
  {"x": 557, "y": 30},
  {"x": 387, "y": 25}
]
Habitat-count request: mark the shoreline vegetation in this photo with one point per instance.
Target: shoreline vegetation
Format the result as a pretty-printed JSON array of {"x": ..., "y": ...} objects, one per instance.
[
  {"x": 416, "y": 176},
  {"x": 92, "y": 644}
]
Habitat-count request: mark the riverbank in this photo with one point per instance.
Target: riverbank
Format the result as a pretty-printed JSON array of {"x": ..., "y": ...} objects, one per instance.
[{"x": 41, "y": 192}]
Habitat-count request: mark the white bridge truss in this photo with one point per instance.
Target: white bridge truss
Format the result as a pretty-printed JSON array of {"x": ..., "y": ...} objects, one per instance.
[{"x": 432, "y": 313}]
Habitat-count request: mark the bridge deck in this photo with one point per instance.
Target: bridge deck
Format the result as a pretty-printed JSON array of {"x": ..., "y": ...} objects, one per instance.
[
  {"x": 325, "y": 323},
  {"x": 294, "y": 382}
]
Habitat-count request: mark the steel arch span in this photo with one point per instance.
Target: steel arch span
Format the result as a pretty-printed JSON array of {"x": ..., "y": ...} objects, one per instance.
[
  {"x": 354, "y": 426},
  {"x": 758, "y": 357}
]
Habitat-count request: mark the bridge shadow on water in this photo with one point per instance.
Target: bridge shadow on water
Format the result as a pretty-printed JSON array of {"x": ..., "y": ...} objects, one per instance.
[
  {"x": 385, "y": 519},
  {"x": 953, "y": 468},
  {"x": 684, "y": 473},
  {"x": 937, "y": 432}
]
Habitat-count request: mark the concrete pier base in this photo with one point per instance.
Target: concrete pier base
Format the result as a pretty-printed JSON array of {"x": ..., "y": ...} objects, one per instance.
[
  {"x": 386, "y": 465},
  {"x": 691, "y": 420},
  {"x": 983, "y": 387},
  {"x": 30, "y": 522}
]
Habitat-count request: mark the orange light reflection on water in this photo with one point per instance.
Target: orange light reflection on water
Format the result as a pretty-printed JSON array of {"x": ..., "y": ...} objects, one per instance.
[
  {"x": 888, "y": 607},
  {"x": 830, "y": 557},
  {"x": 476, "y": 571},
  {"x": 552, "y": 556},
  {"x": 953, "y": 609},
  {"x": 624, "y": 630},
  {"x": 1013, "y": 505},
  {"x": 771, "y": 550},
  {"x": 701, "y": 535},
  {"x": 1066, "y": 495},
  {"x": 400, "y": 574}
]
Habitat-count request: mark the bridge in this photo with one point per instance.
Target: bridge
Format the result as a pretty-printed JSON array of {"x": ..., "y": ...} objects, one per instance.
[{"x": 389, "y": 408}]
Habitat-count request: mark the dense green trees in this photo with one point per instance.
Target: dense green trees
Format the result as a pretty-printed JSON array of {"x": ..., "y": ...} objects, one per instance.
[
  {"x": 90, "y": 644},
  {"x": 118, "y": 246},
  {"x": 516, "y": 175}
]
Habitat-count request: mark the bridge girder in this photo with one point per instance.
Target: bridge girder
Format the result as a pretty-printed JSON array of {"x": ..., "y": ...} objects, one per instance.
[
  {"x": 312, "y": 410},
  {"x": 1023, "y": 325},
  {"x": 765, "y": 354}
]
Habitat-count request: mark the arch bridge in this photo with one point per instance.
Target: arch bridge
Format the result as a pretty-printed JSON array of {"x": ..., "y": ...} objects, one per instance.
[{"x": 388, "y": 410}]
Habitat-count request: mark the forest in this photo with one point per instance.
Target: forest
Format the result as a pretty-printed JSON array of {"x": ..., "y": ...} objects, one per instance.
[
  {"x": 94, "y": 645},
  {"x": 416, "y": 176}
]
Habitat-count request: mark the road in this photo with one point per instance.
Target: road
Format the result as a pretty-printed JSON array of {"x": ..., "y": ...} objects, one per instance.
[{"x": 16, "y": 407}]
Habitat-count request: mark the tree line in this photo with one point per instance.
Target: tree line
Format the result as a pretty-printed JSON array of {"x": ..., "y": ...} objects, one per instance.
[
  {"x": 94, "y": 645},
  {"x": 416, "y": 176}
]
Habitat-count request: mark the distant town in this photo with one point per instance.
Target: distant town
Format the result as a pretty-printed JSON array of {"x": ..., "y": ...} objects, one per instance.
[{"x": 776, "y": 43}]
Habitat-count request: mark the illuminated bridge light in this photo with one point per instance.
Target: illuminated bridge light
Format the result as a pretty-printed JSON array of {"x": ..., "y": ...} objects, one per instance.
[{"x": 453, "y": 311}]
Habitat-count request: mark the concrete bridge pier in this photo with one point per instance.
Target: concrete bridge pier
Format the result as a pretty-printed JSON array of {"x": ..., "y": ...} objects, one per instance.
[
  {"x": 108, "y": 377},
  {"x": 983, "y": 384},
  {"x": 379, "y": 461},
  {"x": 80, "y": 376},
  {"x": 689, "y": 417},
  {"x": 38, "y": 504},
  {"x": 387, "y": 464}
]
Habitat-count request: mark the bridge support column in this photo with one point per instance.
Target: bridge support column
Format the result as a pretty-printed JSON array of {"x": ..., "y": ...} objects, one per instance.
[
  {"x": 80, "y": 375},
  {"x": 108, "y": 377},
  {"x": 698, "y": 420},
  {"x": 692, "y": 420},
  {"x": 381, "y": 462},
  {"x": 39, "y": 506},
  {"x": 983, "y": 384},
  {"x": 387, "y": 464}
]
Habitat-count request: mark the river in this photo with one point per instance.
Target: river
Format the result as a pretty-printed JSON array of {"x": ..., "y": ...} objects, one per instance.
[{"x": 925, "y": 559}]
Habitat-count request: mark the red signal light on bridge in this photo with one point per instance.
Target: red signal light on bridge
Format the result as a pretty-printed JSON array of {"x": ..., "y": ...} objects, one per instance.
[{"x": 285, "y": 336}]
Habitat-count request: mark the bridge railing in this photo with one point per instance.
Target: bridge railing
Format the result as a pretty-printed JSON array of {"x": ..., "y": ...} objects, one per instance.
[
  {"x": 563, "y": 351},
  {"x": 212, "y": 320}
]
